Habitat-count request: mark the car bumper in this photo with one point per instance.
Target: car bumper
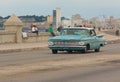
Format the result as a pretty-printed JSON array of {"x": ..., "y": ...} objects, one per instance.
[{"x": 63, "y": 48}]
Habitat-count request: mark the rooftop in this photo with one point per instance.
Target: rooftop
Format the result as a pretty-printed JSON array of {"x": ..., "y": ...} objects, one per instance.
[{"x": 78, "y": 28}]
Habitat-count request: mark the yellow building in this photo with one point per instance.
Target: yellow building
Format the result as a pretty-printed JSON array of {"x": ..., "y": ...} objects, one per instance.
[{"x": 49, "y": 19}]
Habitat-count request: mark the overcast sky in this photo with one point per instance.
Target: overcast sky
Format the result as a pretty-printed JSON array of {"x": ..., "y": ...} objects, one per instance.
[{"x": 86, "y": 8}]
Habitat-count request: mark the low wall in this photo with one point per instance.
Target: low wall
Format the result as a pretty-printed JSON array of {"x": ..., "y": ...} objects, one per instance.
[
  {"x": 7, "y": 37},
  {"x": 10, "y": 37},
  {"x": 33, "y": 37},
  {"x": 13, "y": 23}
]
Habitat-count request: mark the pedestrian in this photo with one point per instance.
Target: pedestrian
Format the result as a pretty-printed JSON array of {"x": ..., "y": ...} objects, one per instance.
[
  {"x": 99, "y": 28},
  {"x": 117, "y": 32},
  {"x": 34, "y": 29},
  {"x": 24, "y": 34},
  {"x": 94, "y": 27},
  {"x": 51, "y": 30},
  {"x": 59, "y": 28}
]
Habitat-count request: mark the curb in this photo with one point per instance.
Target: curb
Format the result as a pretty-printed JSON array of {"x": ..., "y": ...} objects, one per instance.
[
  {"x": 22, "y": 49},
  {"x": 113, "y": 41}
]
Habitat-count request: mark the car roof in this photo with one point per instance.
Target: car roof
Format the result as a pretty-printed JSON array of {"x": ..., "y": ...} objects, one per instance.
[{"x": 87, "y": 28}]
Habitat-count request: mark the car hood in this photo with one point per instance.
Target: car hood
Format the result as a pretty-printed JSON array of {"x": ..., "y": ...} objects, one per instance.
[{"x": 68, "y": 37}]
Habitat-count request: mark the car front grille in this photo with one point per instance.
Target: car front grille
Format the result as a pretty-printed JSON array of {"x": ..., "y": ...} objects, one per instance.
[{"x": 65, "y": 43}]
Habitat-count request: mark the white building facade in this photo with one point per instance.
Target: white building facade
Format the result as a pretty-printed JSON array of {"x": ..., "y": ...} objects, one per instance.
[
  {"x": 66, "y": 23},
  {"x": 76, "y": 20}
]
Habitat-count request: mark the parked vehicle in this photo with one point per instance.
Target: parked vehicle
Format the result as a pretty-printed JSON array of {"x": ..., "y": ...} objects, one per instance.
[{"x": 76, "y": 39}]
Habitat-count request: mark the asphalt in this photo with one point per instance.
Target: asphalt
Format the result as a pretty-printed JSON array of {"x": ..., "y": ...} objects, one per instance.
[{"x": 17, "y": 47}]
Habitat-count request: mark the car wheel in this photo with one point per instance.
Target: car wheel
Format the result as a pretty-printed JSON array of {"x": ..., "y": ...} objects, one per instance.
[
  {"x": 97, "y": 50},
  {"x": 54, "y": 51},
  {"x": 69, "y": 51},
  {"x": 84, "y": 51},
  {"x": 86, "y": 48}
]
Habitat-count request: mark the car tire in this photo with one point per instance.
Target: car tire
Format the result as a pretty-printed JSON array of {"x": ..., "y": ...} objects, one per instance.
[
  {"x": 84, "y": 51},
  {"x": 54, "y": 51},
  {"x": 97, "y": 50},
  {"x": 69, "y": 51},
  {"x": 86, "y": 48}
]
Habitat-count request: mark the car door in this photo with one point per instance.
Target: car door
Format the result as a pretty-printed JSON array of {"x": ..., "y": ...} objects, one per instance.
[{"x": 93, "y": 40}]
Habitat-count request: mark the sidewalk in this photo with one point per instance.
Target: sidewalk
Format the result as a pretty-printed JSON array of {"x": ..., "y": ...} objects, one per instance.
[
  {"x": 111, "y": 38},
  {"x": 6, "y": 48},
  {"x": 22, "y": 47}
]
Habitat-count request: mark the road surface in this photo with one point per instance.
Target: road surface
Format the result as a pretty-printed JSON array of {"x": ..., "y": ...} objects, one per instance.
[
  {"x": 108, "y": 71},
  {"x": 103, "y": 73},
  {"x": 45, "y": 55}
]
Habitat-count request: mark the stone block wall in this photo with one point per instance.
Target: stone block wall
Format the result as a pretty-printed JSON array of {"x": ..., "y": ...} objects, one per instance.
[
  {"x": 7, "y": 37},
  {"x": 32, "y": 37},
  {"x": 10, "y": 37}
]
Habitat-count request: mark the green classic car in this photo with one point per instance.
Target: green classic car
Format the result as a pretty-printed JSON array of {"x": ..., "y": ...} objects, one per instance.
[{"x": 76, "y": 39}]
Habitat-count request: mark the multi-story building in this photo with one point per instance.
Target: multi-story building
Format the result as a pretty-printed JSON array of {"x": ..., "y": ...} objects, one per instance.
[
  {"x": 76, "y": 20},
  {"x": 49, "y": 19},
  {"x": 66, "y": 23},
  {"x": 56, "y": 18},
  {"x": 110, "y": 22},
  {"x": 94, "y": 22}
]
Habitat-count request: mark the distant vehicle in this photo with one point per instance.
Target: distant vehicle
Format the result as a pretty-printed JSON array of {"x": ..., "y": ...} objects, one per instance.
[{"x": 76, "y": 39}]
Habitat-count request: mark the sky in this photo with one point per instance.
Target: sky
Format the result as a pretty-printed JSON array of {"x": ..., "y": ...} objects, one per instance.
[{"x": 86, "y": 8}]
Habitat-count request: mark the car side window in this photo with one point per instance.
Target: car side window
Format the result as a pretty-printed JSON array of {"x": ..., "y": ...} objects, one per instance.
[{"x": 92, "y": 33}]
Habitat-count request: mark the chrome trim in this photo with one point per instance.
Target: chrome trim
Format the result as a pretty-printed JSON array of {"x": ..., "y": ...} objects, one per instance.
[
  {"x": 67, "y": 46},
  {"x": 66, "y": 43}
]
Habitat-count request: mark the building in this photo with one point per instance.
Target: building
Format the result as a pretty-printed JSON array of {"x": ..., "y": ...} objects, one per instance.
[
  {"x": 110, "y": 22},
  {"x": 94, "y": 22},
  {"x": 56, "y": 18},
  {"x": 76, "y": 20},
  {"x": 49, "y": 19},
  {"x": 66, "y": 23}
]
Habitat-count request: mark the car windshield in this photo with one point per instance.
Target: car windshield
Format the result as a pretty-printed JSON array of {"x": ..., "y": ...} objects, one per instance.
[{"x": 83, "y": 32}]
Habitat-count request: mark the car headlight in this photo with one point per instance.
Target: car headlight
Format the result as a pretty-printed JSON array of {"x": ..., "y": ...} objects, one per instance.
[
  {"x": 50, "y": 43},
  {"x": 81, "y": 43}
]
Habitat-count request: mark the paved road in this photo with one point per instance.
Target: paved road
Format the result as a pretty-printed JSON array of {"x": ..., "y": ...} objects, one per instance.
[
  {"x": 45, "y": 55},
  {"x": 107, "y": 72},
  {"x": 103, "y": 73}
]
